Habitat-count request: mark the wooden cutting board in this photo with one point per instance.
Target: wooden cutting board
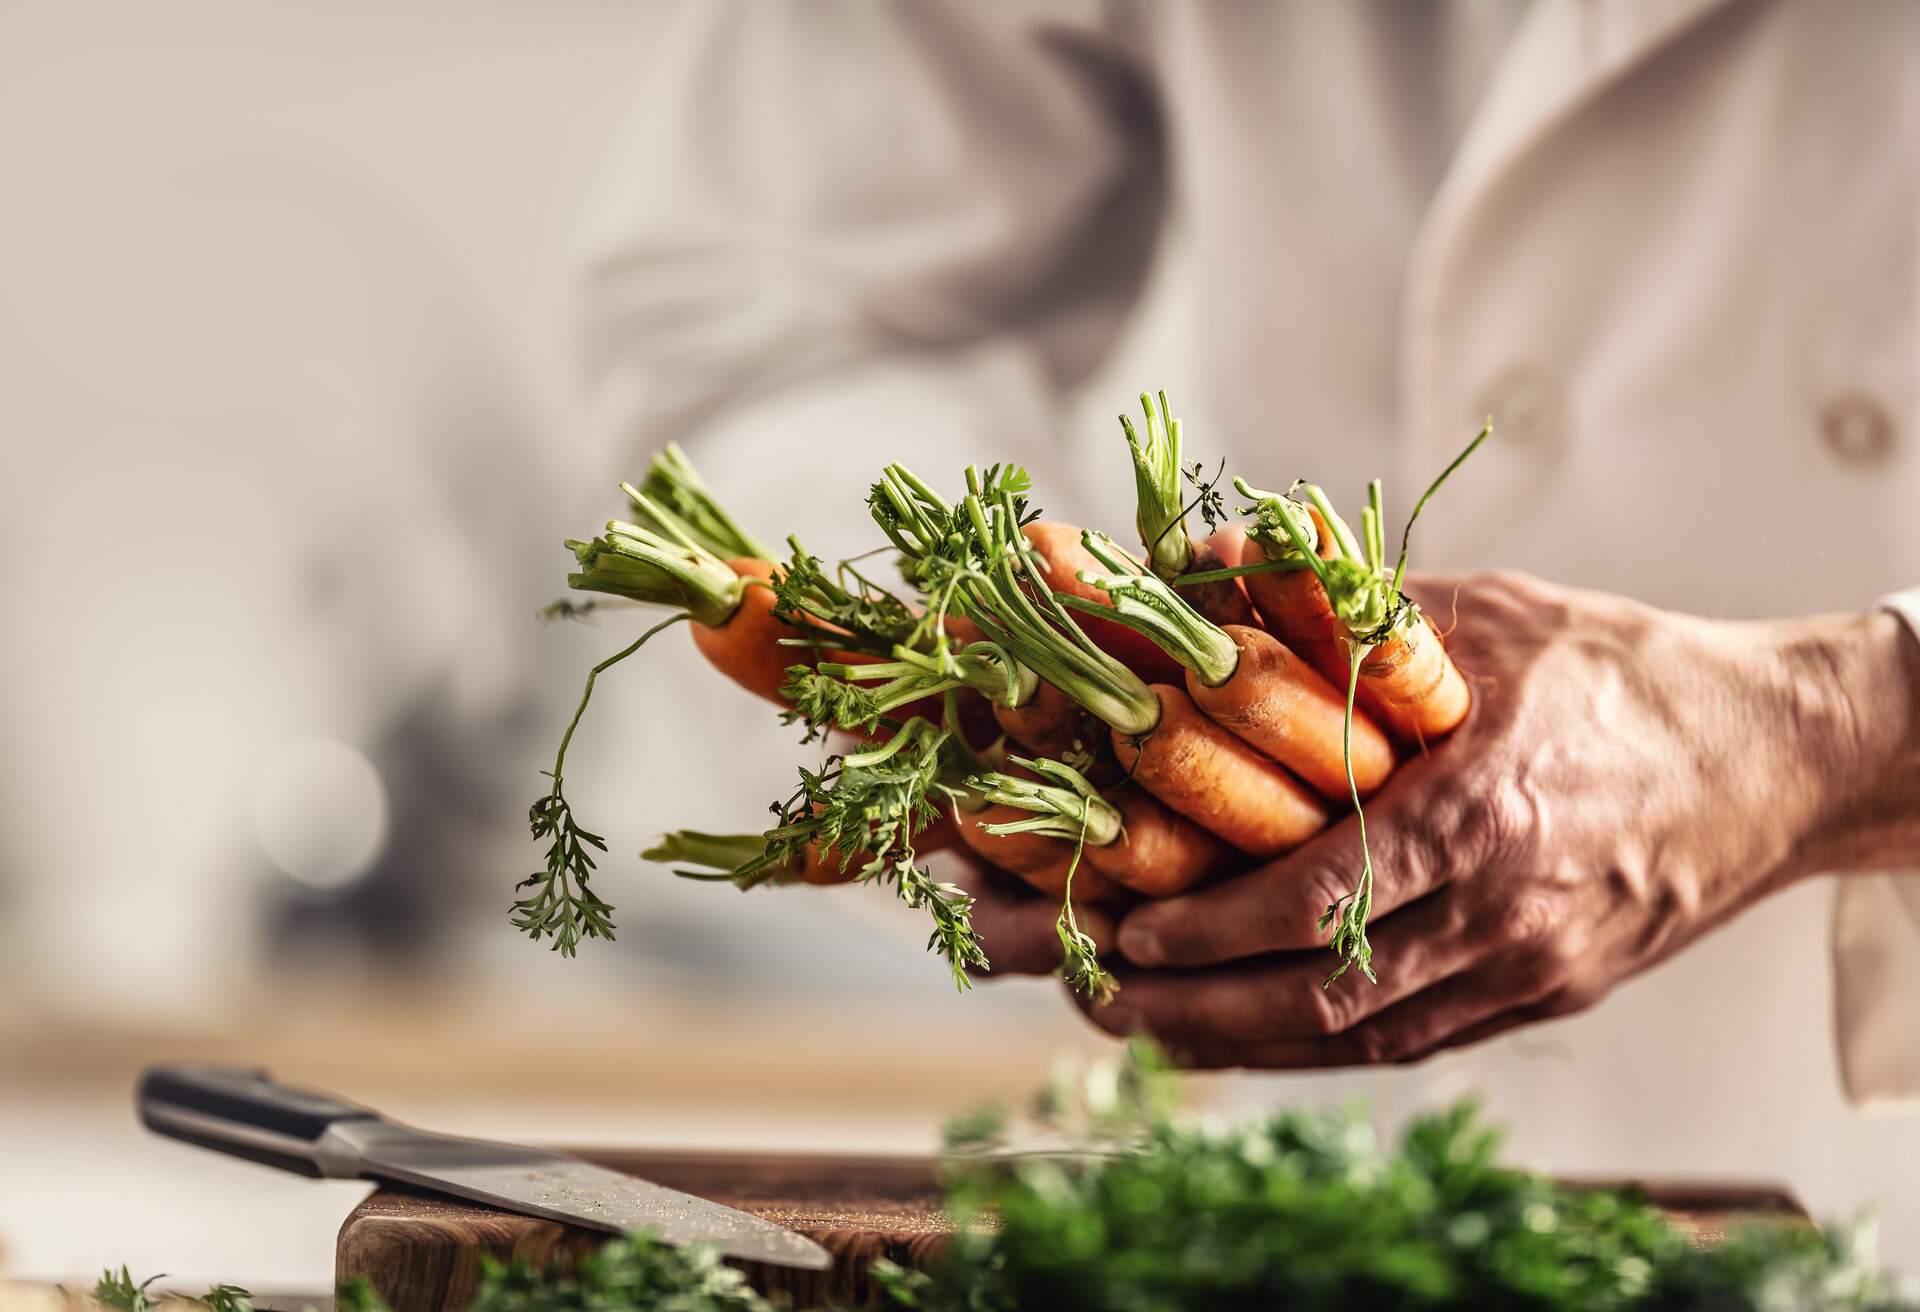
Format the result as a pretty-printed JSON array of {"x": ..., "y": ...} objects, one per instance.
[{"x": 422, "y": 1252}]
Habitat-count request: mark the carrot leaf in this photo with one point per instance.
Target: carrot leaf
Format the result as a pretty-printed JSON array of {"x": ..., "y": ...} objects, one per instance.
[
  {"x": 1080, "y": 961},
  {"x": 562, "y": 905},
  {"x": 867, "y": 807}
]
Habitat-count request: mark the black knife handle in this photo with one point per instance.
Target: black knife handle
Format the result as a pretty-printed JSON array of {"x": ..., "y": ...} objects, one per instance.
[{"x": 244, "y": 1113}]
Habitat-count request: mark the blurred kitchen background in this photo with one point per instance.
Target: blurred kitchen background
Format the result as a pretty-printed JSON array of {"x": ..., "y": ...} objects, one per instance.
[{"x": 293, "y": 421}]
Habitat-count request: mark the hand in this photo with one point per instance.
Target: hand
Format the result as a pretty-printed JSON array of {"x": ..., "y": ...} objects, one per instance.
[{"x": 1628, "y": 780}]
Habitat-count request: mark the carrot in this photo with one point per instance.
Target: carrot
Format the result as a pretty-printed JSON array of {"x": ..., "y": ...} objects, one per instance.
[
  {"x": 1049, "y": 724},
  {"x": 1278, "y": 703},
  {"x": 721, "y": 856},
  {"x": 1059, "y": 546},
  {"x": 1040, "y": 860},
  {"x": 764, "y": 626},
  {"x": 1392, "y": 648},
  {"x": 1416, "y": 686},
  {"x": 1196, "y": 767},
  {"x": 1213, "y": 778},
  {"x": 1161, "y": 516},
  {"x": 1223, "y": 601},
  {"x": 1395, "y": 656},
  {"x": 1127, "y": 835},
  {"x": 1246, "y": 680},
  {"x": 1296, "y": 610},
  {"x": 745, "y": 646},
  {"x": 1159, "y": 852}
]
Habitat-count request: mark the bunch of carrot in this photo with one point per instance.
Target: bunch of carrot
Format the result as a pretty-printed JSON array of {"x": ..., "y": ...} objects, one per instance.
[{"x": 1063, "y": 702}]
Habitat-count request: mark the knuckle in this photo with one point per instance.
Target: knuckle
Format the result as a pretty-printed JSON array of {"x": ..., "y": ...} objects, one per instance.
[
  {"x": 1569, "y": 1000},
  {"x": 1530, "y": 919},
  {"x": 1374, "y": 1045},
  {"x": 1495, "y": 822},
  {"x": 1547, "y": 966},
  {"x": 1329, "y": 1011}
]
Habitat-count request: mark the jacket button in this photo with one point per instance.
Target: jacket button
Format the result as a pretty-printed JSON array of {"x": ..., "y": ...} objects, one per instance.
[
  {"x": 1858, "y": 430},
  {"x": 1527, "y": 406}
]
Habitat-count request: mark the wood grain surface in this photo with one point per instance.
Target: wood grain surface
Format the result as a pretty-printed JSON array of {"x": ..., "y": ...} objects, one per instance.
[{"x": 422, "y": 1252}]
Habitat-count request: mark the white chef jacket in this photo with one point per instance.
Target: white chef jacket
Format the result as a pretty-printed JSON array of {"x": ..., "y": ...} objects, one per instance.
[{"x": 1672, "y": 246}]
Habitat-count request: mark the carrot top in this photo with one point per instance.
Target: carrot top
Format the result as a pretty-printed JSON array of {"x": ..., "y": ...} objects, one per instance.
[
  {"x": 1147, "y": 604},
  {"x": 1371, "y": 608},
  {"x": 673, "y": 493},
  {"x": 662, "y": 566},
  {"x": 1064, "y": 802}
]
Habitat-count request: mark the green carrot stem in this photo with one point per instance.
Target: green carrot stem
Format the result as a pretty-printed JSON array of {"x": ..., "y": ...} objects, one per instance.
[
  {"x": 1347, "y": 546},
  {"x": 1063, "y": 801},
  {"x": 586, "y": 694},
  {"x": 1349, "y": 936},
  {"x": 1080, "y": 962},
  {"x": 1159, "y": 515},
  {"x": 672, "y": 484},
  {"x": 1406, "y": 535},
  {"x": 1287, "y": 566},
  {"x": 1376, "y": 522},
  {"x": 629, "y": 560},
  {"x": 1145, "y": 603}
]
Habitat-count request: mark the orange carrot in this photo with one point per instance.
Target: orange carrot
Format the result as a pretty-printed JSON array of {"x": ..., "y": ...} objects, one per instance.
[
  {"x": 1158, "y": 852},
  {"x": 1246, "y": 680},
  {"x": 745, "y": 646},
  {"x": 1125, "y": 833},
  {"x": 1213, "y": 778},
  {"x": 1050, "y": 723},
  {"x": 1278, "y": 703},
  {"x": 1040, "y": 860},
  {"x": 1059, "y": 545},
  {"x": 1223, "y": 601}
]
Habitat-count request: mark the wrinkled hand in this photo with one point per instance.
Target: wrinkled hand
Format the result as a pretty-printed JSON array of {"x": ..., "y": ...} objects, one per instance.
[{"x": 1628, "y": 780}]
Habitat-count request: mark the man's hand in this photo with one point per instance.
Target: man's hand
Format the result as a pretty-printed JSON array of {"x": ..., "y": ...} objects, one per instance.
[{"x": 1628, "y": 780}]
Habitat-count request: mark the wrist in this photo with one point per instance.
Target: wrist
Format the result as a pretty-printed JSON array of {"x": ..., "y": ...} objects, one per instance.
[{"x": 1854, "y": 731}]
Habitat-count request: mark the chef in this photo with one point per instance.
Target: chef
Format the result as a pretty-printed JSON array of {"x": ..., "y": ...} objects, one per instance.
[{"x": 1672, "y": 247}]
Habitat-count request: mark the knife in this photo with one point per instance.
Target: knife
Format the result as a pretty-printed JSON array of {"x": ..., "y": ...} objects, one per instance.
[{"x": 244, "y": 1113}]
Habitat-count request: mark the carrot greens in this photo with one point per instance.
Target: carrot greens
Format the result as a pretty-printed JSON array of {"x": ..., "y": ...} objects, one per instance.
[
  {"x": 1371, "y": 609},
  {"x": 1148, "y": 604}
]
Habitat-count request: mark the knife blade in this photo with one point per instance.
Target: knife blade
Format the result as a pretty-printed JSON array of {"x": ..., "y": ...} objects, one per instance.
[{"x": 246, "y": 1113}]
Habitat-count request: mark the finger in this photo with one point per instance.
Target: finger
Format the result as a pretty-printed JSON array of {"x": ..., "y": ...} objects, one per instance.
[
  {"x": 1287, "y": 997},
  {"x": 1463, "y": 1005},
  {"x": 1277, "y": 907},
  {"x": 1016, "y": 925},
  {"x": 1040, "y": 860},
  {"x": 1562, "y": 1002}
]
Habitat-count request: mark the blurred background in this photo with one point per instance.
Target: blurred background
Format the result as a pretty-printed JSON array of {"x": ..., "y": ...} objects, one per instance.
[{"x": 298, "y": 398}]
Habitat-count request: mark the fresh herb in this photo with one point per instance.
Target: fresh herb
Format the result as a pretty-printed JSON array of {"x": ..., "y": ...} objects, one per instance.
[
  {"x": 116, "y": 1289},
  {"x": 1103, "y": 1198},
  {"x": 1306, "y": 1209},
  {"x": 634, "y": 1273}
]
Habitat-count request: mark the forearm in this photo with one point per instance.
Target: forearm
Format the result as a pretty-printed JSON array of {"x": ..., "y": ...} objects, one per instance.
[{"x": 1854, "y": 731}]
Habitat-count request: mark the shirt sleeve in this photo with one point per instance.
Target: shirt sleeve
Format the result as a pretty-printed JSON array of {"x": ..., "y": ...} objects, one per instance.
[
  {"x": 842, "y": 209},
  {"x": 1876, "y": 962}
]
